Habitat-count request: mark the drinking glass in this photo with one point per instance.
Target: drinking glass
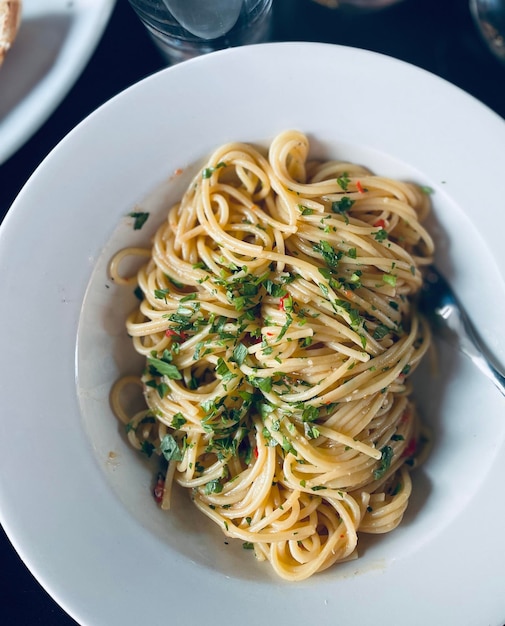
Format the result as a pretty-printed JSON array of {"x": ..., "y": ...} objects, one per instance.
[{"x": 182, "y": 29}]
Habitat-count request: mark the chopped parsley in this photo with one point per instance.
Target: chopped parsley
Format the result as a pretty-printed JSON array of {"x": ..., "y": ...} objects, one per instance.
[
  {"x": 381, "y": 235},
  {"x": 140, "y": 218},
  {"x": 161, "y": 294},
  {"x": 304, "y": 210},
  {"x": 380, "y": 332},
  {"x": 287, "y": 446},
  {"x": 287, "y": 324},
  {"x": 329, "y": 254},
  {"x": 355, "y": 317},
  {"x": 161, "y": 388},
  {"x": 239, "y": 354},
  {"x": 343, "y": 181},
  {"x": 311, "y": 432},
  {"x": 223, "y": 370},
  {"x": 170, "y": 449},
  {"x": 164, "y": 366},
  {"x": 310, "y": 413},
  {"x": 208, "y": 171},
  {"x": 342, "y": 207},
  {"x": 147, "y": 448},
  {"x": 214, "y": 486},
  {"x": 389, "y": 279},
  {"x": 178, "y": 420},
  {"x": 264, "y": 384},
  {"x": 385, "y": 462},
  {"x": 396, "y": 437}
]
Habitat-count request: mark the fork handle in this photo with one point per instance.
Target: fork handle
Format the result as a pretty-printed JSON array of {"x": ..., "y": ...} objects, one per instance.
[{"x": 473, "y": 348}]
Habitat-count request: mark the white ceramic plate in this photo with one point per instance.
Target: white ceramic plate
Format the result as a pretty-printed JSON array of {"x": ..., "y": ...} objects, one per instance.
[
  {"x": 83, "y": 520},
  {"x": 55, "y": 41}
]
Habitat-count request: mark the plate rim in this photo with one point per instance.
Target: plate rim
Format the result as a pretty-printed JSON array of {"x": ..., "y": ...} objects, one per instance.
[{"x": 45, "y": 96}]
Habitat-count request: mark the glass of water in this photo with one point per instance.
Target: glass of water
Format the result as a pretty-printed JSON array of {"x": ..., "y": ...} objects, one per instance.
[{"x": 182, "y": 29}]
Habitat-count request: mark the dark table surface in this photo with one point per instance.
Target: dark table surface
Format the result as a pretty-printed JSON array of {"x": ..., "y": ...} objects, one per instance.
[{"x": 437, "y": 35}]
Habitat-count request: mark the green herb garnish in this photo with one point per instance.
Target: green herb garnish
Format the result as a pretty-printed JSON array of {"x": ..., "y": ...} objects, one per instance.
[
  {"x": 178, "y": 420},
  {"x": 214, "y": 486},
  {"x": 208, "y": 171},
  {"x": 170, "y": 449},
  {"x": 343, "y": 181},
  {"x": 389, "y": 279},
  {"x": 163, "y": 368},
  {"x": 140, "y": 219},
  {"x": 329, "y": 254},
  {"x": 381, "y": 235},
  {"x": 239, "y": 354},
  {"x": 385, "y": 463},
  {"x": 381, "y": 331}
]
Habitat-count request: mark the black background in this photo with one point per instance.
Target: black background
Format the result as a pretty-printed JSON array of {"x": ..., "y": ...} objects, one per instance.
[{"x": 437, "y": 35}]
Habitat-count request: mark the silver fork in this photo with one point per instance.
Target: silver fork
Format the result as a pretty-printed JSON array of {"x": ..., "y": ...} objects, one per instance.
[{"x": 450, "y": 321}]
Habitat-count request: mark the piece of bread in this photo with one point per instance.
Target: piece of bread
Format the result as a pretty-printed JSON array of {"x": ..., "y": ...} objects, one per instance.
[{"x": 10, "y": 17}]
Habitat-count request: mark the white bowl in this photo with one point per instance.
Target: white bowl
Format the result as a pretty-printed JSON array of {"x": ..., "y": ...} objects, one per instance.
[{"x": 82, "y": 519}]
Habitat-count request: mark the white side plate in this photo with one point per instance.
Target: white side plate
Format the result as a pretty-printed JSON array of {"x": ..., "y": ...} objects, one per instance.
[{"x": 55, "y": 41}]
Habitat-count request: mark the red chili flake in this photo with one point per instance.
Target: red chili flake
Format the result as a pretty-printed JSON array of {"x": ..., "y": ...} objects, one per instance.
[
  {"x": 411, "y": 448},
  {"x": 405, "y": 416},
  {"x": 159, "y": 489},
  {"x": 380, "y": 224},
  {"x": 177, "y": 336},
  {"x": 253, "y": 340},
  {"x": 256, "y": 453},
  {"x": 359, "y": 187},
  {"x": 281, "y": 303}
]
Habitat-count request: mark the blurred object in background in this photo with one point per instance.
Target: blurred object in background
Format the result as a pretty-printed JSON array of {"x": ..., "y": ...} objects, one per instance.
[
  {"x": 358, "y": 4},
  {"x": 182, "y": 29},
  {"x": 10, "y": 18},
  {"x": 489, "y": 15}
]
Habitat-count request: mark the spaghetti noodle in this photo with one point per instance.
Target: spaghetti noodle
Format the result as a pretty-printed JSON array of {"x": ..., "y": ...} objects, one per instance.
[{"x": 279, "y": 337}]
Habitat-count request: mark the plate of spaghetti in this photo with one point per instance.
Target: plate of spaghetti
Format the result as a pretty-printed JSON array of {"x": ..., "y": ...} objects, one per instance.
[{"x": 235, "y": 406}]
